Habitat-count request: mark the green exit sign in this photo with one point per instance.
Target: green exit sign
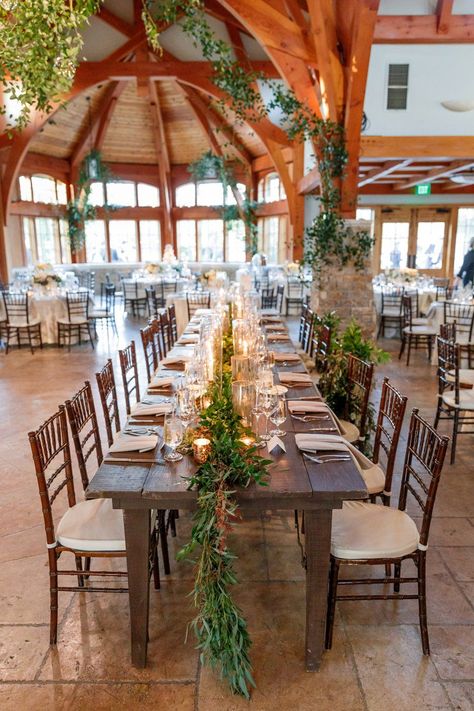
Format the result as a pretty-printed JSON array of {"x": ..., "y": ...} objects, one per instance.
[{"x": 423, "y": 189}]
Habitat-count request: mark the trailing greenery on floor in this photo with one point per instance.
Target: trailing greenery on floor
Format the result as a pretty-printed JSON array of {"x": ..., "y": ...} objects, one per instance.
[
  {"x": 333, "y": 381},
  {"x": 220, "y": 628}
]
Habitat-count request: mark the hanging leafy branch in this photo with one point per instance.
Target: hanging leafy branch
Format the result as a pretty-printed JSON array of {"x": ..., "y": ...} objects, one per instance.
[
  {"x": 219, "y": 625},
  {"x": 39, "y": 52},
  {"x": 79, "y": 210},
  {"x": 211, "y": 166}
]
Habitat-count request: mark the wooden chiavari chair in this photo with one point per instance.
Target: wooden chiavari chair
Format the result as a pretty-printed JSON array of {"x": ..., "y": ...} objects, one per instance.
[
  {"x": 156, "y": 328},
  {"x": 129, "y": 370},
  {"x": 308, "y": 329},
  {"x": 414, "y": 335},
  {"x": 87, "y": 529},
  {"x": 371, "y": 534},
  {"x": 173, "y": 323},
  {"x": 197, "y": 300},
  {"x": 387, "y": 435},
  {"x": 321, "y": 343},
  {"x": 85, "y": 430},
  {"x": 359, "y": 384},
  {"x": 77, "y": 319},
  {"x": 152, "y": 301},
  {"x": 108, "y": 397},
  {"x": 463, "y": 315},
  {"x": 149, "y": 350},
  {"x": 19, "y": 323},
  {"x": 391, "y": 311},
  {"x": 165, "y": 327},
  {"x": 294, "y": 295},
  {"x": 303, "y": 319},
  {"x": 132, "y": 298},
  {"x": 455, "y": 392},
  {"x": 447, "y": 331},
  {"x": 107, "y": 314}
]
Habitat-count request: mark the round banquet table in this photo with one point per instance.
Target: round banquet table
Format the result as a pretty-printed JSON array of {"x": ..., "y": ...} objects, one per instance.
[{"x": 48, "y": 307}]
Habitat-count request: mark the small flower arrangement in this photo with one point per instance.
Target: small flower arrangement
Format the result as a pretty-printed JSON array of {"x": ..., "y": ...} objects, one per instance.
[
  {"x": 44, "y": 275},
  {"x": 403, "y": 274},
  {"x": 208, "y": 277},
  {"x": 292, "y": 268},
  {"x": 169, "y": 256},
  {"x": 153, "y": 268}
]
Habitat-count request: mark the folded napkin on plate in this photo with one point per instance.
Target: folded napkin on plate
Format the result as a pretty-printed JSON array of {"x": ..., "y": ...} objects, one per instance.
[
  {"x": 275, "y": 328},
  {"x": 278, "y": 337},
  {"x": 322, "y": 442},
  {"x": 175, "y": 360},
  {"x": 307, "y": 406},
  {"x": 191, "y": 328},
  {"x": 270, "y": 318},
  {"x": 282, "y": 357},
  {"x": 132, "y": 443},
  {"x": 202, "y": 312},
  {"x": 188, "y": 338},
  {"x": 156, "y": 408},
  {"x": 298, "y": 378},
  {"x": 157, "y": 382}
]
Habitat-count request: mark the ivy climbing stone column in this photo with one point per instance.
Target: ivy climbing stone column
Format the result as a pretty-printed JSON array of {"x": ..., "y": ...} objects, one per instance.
[{"x": 347, "y": 290}]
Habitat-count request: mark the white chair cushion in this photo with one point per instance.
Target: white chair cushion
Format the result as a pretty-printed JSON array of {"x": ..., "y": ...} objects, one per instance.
[
  {"x": 420, "y": 330},
  {"x": 23, "y": 323},
  {"x": 349, "y": 431},
  {"x": 419, "y": 321},
  {"x": 374, "y": 479},
  {"x": 466, "y": 399},
  {"x": 392, "y": 313},
  {"x": 75, "y": 321},
  {"x": 100, "y": 313},
  {"x": 466, "y": 376},
  {"x": 361, "y": 530},
  {"x": 92, "y": 526}
]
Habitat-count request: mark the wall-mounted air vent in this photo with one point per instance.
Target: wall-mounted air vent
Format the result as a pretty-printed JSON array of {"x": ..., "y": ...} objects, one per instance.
[{"x": 397, "y": 90}]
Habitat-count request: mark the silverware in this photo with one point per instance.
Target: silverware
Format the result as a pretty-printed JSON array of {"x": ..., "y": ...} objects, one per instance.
[
  {"x": 322, "y": 429},
  {"x": 310, "y": 418},
  {"x": 328, "y": 458},
  {"x": 137, "y": 460}
]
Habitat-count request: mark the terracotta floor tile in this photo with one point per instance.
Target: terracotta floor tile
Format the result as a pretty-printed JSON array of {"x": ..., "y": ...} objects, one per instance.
[
  {"x": 102, "y": 697},
  {"x": 22, "y": 650},
  {"x": 461, "y": 695},
  {"x": 452, "y": 651},
  {"x": 395, "y": 675},
  {"x": 460, "y": 561}
]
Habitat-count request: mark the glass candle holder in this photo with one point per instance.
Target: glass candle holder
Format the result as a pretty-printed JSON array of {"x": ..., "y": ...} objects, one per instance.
[
  {"x": 201, "y": 449},
  {"x": 243, "y": 399},
  {"x": 241, "y": 367}
]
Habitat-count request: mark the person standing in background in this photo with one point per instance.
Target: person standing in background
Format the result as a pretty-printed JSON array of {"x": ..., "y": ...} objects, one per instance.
[{"x": 466, "y": 273}]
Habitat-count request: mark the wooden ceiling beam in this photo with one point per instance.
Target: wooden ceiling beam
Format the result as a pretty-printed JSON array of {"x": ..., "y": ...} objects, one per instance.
[
  {"x": 309, "y": 182},
  {"x": 363, "y": 27},
  {"x": 115, "y": 21},
  {"x": 446, "y": 170},
  {"x": 382, "y": 171},
  {"x": 444, "y": 11},
  {"x": 265, "y": 163},
  {"x": 164, "y": 165},
  {"x": 417, "y": 147},
  {"x": 423, "y": 29},
  {"x": 331, "y": 78}
]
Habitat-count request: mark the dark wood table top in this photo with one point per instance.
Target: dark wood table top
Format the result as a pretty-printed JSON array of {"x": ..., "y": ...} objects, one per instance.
[{"x": 293, "y": 480}]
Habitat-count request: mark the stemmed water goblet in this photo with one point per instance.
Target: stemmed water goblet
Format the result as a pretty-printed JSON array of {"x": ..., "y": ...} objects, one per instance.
[
  {"x": 278, "y": 417},
  {"x": 173, "y": 436}
]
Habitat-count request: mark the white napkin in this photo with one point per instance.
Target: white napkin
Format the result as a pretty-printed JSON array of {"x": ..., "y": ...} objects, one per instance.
[
  {"x": 278, "y": 337},
  {"x": 188, "y": 338},
  {"x": 282, "y": 357},
  {"x": 131, "y": 443},
  {"x": 157, "y": 382},
  {"x": 322, "y": 442},
  {"x": 202, "y": 312},
  {"x": 303, "y": 406},
  {"x": 175, "y": 360},
  {"x": 269, "y": 318},
  {"x": 275, "y": 442},
  {"x": 290, "y": 378},
  {"x": 272, "y": 328},
  {"x": 157, "y": 408}
]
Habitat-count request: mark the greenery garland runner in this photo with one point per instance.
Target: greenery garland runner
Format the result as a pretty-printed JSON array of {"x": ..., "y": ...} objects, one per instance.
[{"x": 219, "y": 626}]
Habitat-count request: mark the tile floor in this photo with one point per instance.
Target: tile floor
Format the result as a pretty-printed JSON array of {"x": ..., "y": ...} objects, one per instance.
[{"x": 376, "y": 662}]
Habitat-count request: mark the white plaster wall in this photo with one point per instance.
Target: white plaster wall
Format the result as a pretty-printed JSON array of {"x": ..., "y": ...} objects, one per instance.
[
  {"x": 421, "y": 7},
  {"x": 437, "y": 73}
]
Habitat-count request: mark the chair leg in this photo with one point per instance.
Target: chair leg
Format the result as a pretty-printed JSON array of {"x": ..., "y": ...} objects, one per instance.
[
  {"x": 402, "y": 348},
  {"x": 87, "y": 567},
  {"x": 425, "y": 642},
  {"x": 430, "y": 348},
  {"x": 455, "y": 435},
  {"x": 380, "y": 327},
  {"x": 438, "y": 414},
  {"x": 28, "y": 330},
  {"x": 164, "y": 542},
  {"x": 89, "y": 331},
  {"x": 409, "y": 350},
  {"x": 53, "y": 601},
  {"x": 396, "y": 574},
  {"x": 80, "y": 578},
  {"x": 333, "y": 578},
  {"x": 172, "y": 522}
]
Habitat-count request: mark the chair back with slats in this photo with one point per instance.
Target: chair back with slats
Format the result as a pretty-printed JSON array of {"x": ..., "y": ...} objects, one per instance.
[
  {"x": 151, "y": 301},
  {"x": 295, "y": 289},
  {"x": 442, "y": 282},
  {"x": 108, "y": 397},
  {"x": 303, "y": 318},
  {"x": 387, "y": 431},
  {"x": 407, "y": 312},
  {"x": 279, "y": 297},
  {"x": 308, "y": 330},
  {"x": 77, "y": 305},
  {"x": 392, "y": 300},
  {"x": 130, "y": 289},
  {"x": 17, "y": 307},
  {"x": 425, "y": 453},
  {"x": 165, "y": 327},
  {"x": 359, "y": 379},
  {"x": 85, "y": 430},
  {"x": 52, "y": 459},
  {"x": 168, "y": 287},
  {"x": 110, "y": 299},
  {"x": 447, "y": 331},
  {"x": 197, "y": 300},
  {"x": 173, "y": 323},
  {"x": 269, "y": 298},
  {"x": 463, "y": 315},
  {"x": 155, "y": 325},
  {"x": 129, "y": 369},
  {"x": 444, "y": 293},
  {"x": 321, "y": 346},
  {"x": 448, "y": 365},
  {"x": 149, "y": 350}
]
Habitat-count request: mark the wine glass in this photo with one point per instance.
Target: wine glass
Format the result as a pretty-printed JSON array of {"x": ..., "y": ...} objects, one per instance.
[
  {"x": 268, "y": 405},
  {"x": 173, "y": 436},
  {"x": 278, "y": 417},
  {"x": 186, "y": 407},
  {"x": 257, "y": 412}
]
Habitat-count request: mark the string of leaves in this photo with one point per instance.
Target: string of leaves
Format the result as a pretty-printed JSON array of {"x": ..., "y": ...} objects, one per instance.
[
  {"x": 219, "y": 626},
  {"x": 211, "y": 166},
  {"x": 80, "y": 209},
  {"x": 39, "y": 52}
]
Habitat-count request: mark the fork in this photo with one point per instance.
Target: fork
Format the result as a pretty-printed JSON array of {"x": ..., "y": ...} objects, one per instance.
[
  {"x": 328, "y": 458},
  {"x": 310, "y": 418}
]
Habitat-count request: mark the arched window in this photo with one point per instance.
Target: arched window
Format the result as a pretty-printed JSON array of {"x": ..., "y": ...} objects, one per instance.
[
  {"x": 206, "y": 193},
  {"x": 42, "y": 188},
  {"x": 270, "y": 189}
]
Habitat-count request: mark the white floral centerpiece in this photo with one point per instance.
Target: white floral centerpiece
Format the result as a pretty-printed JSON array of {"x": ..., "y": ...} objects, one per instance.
[
  {"x": 152, "y": 268},
  {"x": 404, "y": 274},
  {"x": 292, "y": 268},
  {"x": 208, "y": 277},
  {"x": 169, "y": 256},
  {"x": 44, "y": 275}
]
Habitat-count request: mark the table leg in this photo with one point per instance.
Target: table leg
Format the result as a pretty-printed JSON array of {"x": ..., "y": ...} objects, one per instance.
[
  {"x": 318, "y": 547},
  {"x": 137, "y": 541}
]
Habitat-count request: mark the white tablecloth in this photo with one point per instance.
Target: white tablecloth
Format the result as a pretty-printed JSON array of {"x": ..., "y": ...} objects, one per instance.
[
  {"x": 181, "y": 306},
  {"x": 47, "y": 307}
]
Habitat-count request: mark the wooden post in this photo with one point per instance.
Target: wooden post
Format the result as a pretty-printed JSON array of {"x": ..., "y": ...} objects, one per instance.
[
  {"x": 3, "y": 246},
  {"x": 296, "y": 247}
]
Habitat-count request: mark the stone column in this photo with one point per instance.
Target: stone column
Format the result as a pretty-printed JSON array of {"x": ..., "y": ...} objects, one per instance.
[{"x": 347, "y": 291}]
